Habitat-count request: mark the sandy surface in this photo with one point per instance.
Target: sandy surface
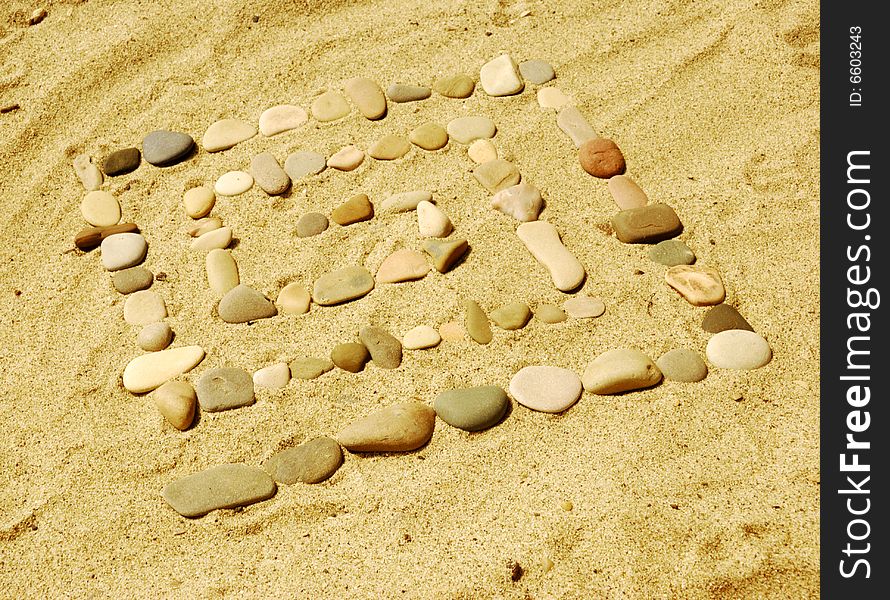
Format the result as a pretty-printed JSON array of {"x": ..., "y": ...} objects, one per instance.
[{"x": 678, "y": 492}]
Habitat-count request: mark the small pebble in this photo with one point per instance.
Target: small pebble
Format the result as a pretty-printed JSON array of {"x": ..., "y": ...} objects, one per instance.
[
  {"x": 199, "y": 201},
  {"x": 536, "y": 71},
  {"x": 342, "y": 285},
  {"x": 402, "y": 265},
  {"x": 148, "y": 371},
  {"x": 647, "y": 224},
  {"x": 400, "y": 92},
  {"x": 176, "y": 401},
  {"x": 584, "y": 307},
  {"x": 551, "y": 98},
  {"x": 302, "y": 164},
  {"x": 273, "y": 377},
  {"x": 386, "y": 350},
  {"x": 601, "y": 157},
  {"x": 500, "y": 77},
  {"x": 421, "y": 337},
  {"x": 626, "y": 193},
  {"x": 222, "y": 271},
  {"x": 356, "y": 209},
  {"x": 222, "y": 486},
  {"x": 121, "y": 162},
  {"x": 310, "y": 462},
  {"x": 132, "y": 280},
  {"x": 242, "y": 304},
  {"x": 389, "y": 147},
  {"x": 545, "y": 389},
  {"x": 566, "y": 505},
  {"x": 225, "y": 388},
  {"x": 429, "y": 136},
  {"x": 523, "y": 202},
  {"x": 496, "y": 175},
  {"x": 431, "y": 221},
  {"x": 279, "y": 119},
  {"x": 268, "y": 174},
  {"x": 542, "y": 240},
  {"x": 367, "y": 97},
  {"x": 88, "y": 173},
  {"x": 100, "y": 209},
  {"x": 330, "y": 106},
  {"x": 476, "y": 322},
  {"x": 155, "y": 337},
  {"x": 465, "y": 130},
  {"x": 215, "y": 238},
  {"x": 682, "y": 364},
  {"x": 166, "y": 148},
  {"x": 144, "y": 307},
  {"x": 482, "y": 151},
  {"x": 472, "y": 409},
  {"x": 204, "y": 225},
  {"x": 91, "y": 237},
  {"x": 37, "y": 16},
  {"x": 620, "y": 370},
  {"x": 310, "y": 368},
  {"x": 350, "y": 356},
  {"x": 293, "y": 299},
  {"x": 226, "y": 133},
  {"x": 452, "y": 331},
  {"x": 404, "y": 201},
  {"x": 738, "y": 349},
  {"x": 445, "y": 253},
  {"x": 512, "y": 316},
  {"x": 233, "y": 183},
  {"x": 723, "y": 317},
  {"x": 550, "y": 314},
  {"x": 455, "y": 86},
  {"x": 698, "y": 284},
  {"x": 122, "y": 250},
  {"x": 312, "y": 223},
  {"x": 671, "y": 253},
  {"x": 347, "y": 158},
  {"x": 396, "y": 428},
  {"x": 574, "y": 125}
]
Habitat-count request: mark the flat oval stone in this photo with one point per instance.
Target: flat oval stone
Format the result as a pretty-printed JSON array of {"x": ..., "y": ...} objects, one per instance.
[
  {"x": 396, "y": 428},
  {"x": 154, "y": 337},
  {"x": 401, "y": 92},
  {"x": 226, "y": 133},
  {"x": 233, "y": 183},
  {"x": 476, "y": 322},
  {"x": 176, "y": 401},
  {"x": 446, "y": 253},
  {"x": 204, "y": 225},
  {"x": 626, "y": 193},
  {"x": 166, "y": 148},
  {"x": 329, "y": 106},
  {"x": 304, "y": 163},
  {"x": 671, "y": 253},
  {"x": 542, "y": 240},
  {"x": 482, "y": 151},
  {"x": 545, "y": 389},
  {"x": 432, "y": 222},
  {"x": 738, "y": 349},
  {"x": 698, "y": 284},
  {"x": 222, "y": 271},
  {"x": 584, "y": 307},
  {"x": 647, "y": 224},
  {"x": 405, "y": 201},
  {"x": 422, "y": 336},
  {"x": 199, "y": 201},
  {"x": 465, "y": 130},
  {"x": 496, "y": 175},
  {"x": 222, "y": 486},
  {"x": 367, "y": 97},
  {"x": 100, "y": 209},
  {"x": 268, "y": 174},
  {"x": 122, "y": 250},
  {"x": 682, "y": 364},
  {"x": 551, "y": 98},
  {"x": 386, "y": 350},
  {"x": 132, "y": 280},
  {"x": 148, "y": 371},
  {"x": 402, "y": 265},
  {"x": 574, "y": 125},
  {"x": 225, "y": 388},
  {"x": 242, "y": 304},
  {"x": 350, "y": 356},
  {"x": 550, "y": 314},
  {"x": 523, "y": 202},
  {"x": 512, "y": 316},
  {"x": 355, "y": 210},
  {"x": 347, "y": 158},
  {"x": 215, "y": 238},
  {"x": 500, "y": 77},
  {"x": 144, "y": 307},
  {"x": 273, "y": 377},
  {"x": 310, "y": 462},
  {"x": 293, "y": 299},
  {"x": 472, "y": 409},
  {"x": 121, "y": 162},
  {"x": 723, "y": 317},
  {"x": 389, "y": 147},
  {"x": 91, "y": 237},
  {"x": 452, "y": 331},
  {"x": 429, "y": 136},
  {"x": 620, "y": 370},
  {"x": 310, "y": 368},
  {"x": 342, "y": 285},
  {"x": 89, "y": 174},
  {"x": 602, "y": 158},
  {"x": 279, "y": 119},
  {"x": 536, "y": 71},
  {"x": 457, "y": 85},
  {"x": 312, "y": 223}
]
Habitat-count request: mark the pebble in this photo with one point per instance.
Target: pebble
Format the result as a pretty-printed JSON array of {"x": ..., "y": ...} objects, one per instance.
[
  {"x": 268, "y": 174},
  {"x": 222, "y": 486},
  {"x": 457, "y": 85},
  {"x": 482, "y": 151},
  {"x": 574, "y": 125},
  {"x": 310, "y": 368},
  {"x": 310, "y": 462},
  {"x": 465, "y": 130},
  {"x": 723, "y": 317},
  {"x": 144, "y": 307},
  {"x": 554, "y": 99},
  {"x": 647, "y": 224},
  {"x": 400, "y": 92},
  {"x": 546, "y": 389},
  {"x": 100, "y": 209},
  {"x": 205, "y": 225},
  {"x": 421, "y": 337},
  {"x": 429, "y": 136},
  {"x": 222, "y": 271},
  {"x": 176, "y": 401},
  {"x": 132, "y": 280},
  {"x": 396, "y": 428},
  {"x": 551, "y": 314},
  {"x": 122, "y": 250},
  {"x": 698, "y": 284},
  {"x": 431, "y": 221},
  {"x": 215, "y": 238},
  {"x": 226, "y": 133},
  {"x": 166, "y": 148},
  {"x": 242, "y": 304},
  {"x": 312, "y": 223},
  {"x": 512, "y": 316},
  {"x": 472, "y": 409},
  {"x": 523, "y": 202},
  {"x": 279, "y": 119},
  {"x": 121, "y": 162},
  {"x": 389, "y": 147},
  {"x": 233, "y": 183},
  {"x": 542, "y": 240},
  {"x": 88, "y": 173},
  {"x": 155, "y": 337},
  {"x": 402, "y": 265},
  {"x": 386, "y": 350},
  {"x": 682, "y": 364},
  {"x": 626, "y": 193},
  {"x": 350, "y": 356},
  {"x": 445, "y": 253},
  {"x": 356, "y": 209},
  {"x": 148, "y": 371},
  {"x": 330, "y": 106},
  {"x": 293, "y": 299},
  {"x": 601, "y": 158},
  {"x": 347, "y": 158},
  {"x": 367, "y": 97},
  {"x": 500, "y": 77},
  {"x": 584, "y": 307},
  {"x": 671, "y": 253},
  {"x": 273, "y": 377},
  {"x": 476, "y": 322},
  {"x": 225, "y": 388},
  {"x": 199, "y": 201},
  {"x": 452, "y": 331},
  {"x": 620, "y": 370},
  {"x": 342, "y": 285},
  {"x": 302, "y": 164},
  {"x": 738, "y": 349},
  {"x": 536, "y": 71},
  {"x": 37, "y": 16},
  {"x": 91, "y": 237},
  {"x": 405, "y": 201},
  {"x": 496, "y": 175}
]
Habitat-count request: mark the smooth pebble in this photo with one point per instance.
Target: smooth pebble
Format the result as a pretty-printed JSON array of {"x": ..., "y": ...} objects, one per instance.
[
  {"x": 148, "y": 371},
  {"x": 268, "y": 174},
  {"x": 431, "y": 221},
  {"x": 89, "y": 174},
  {"x": 198, "y": 201},
  {"x": 496, "y": 175},
  {"x": 355, "y": 210},
  {"x": 574, "y": 125},
  {"x": 204, "y": 225},
  {"x": 122, "y": 250},
  {"x": 482, "y": 151},
  {"x": 225, "y": 388},
  {"x": 472, "y": 409},
  {"x": 91, "y": 237},
  {"x": 144, "y": 307},
  {"x": 542, "y": 240},
  {"x": 386, "y": 350},
  {"x": 404, "y": 201},
  {"x": 500, "y": 77},
  {"x": 329, "y": 106},
  {"x": 396, "y": 428},
  {"x": 476, "y": 322},
  {"x": 698, "y": 284},
  {"x": 233, "y": 183},
  {"x": 671, "y": 253},
  {"x": 242, "y": 304},
  {"x": 154, "y": 337},
  {"x": 293, "y": 299},
  {"x": 647, "y": 225},
  {"x": 367, "y": 97},
  {"x": 215, "y": 238},
  {"x": 402, "y": 265},
  {"x": 456, "y": 85},
  {"x": 121, "y": 162},
  {"x": 342, "y": 285},
  {"x": 584, "y": 307},
  {"x": 723, "y": 317},
  {"x": 601, "y": 158},
  {"x": 523, "y": 202},
  {"x": 446, "y": 253},
  {"x": 222, "y": 486},
  {"x": 620, "y": 370},
  {"x": 350, "y": 356},
  {"x": 347, "y": 158},
  {"x": 279, "y": 119},
  {"x": 738, "y": 349},
  {"x": 389, "y": 147},
  {"x": 311, "y": 223},
  {"x": 163, "y": 148},
  {"x": 551, "y": 98},
  {"x": 421, "y": 337},
  {"x": 132, "y": 280},
  {"x": 310, "y": 462},
  {"x": 429, "y": 136},
  {"x": 514, "y": 315},
  {"x": 536, "y": 71},
  {"x": 550, "y": 314},
  {"x": 100, "y": 209},
  {"x": 176, "y": 401},
  {"x": 682, "y": 364},
  {"x": 273, "y": 377},
  {"x": 304, "y": 163},
  {"x": 222, "y": 271},
  {"x": 545, "y": 389},
  {"x": 465, "y": 130},
  {"x": 401, "y": 92},
  {"x": 310, "y": 368},
  {"x": 226, "y": 133}
]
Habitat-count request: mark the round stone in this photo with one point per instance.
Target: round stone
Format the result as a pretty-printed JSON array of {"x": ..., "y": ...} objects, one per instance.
[
  {"x": 100, "y": 209},
  {"x": 523, "y": 202},
  {"x": 385, "y": 350},
  {"x": 279, "y": 119},
  {"x": 682, "y": 364},
  {"x": 347, "y": 159},
  {"x": 293, "y": 299},
  {"x": 329, "y": 106},
  {"x": 472, "y": 409},
  {"x": 367, "y": 97},
  {"x": 601, "y": 157},
  {"x": 273, "y": 377},
  {"x": 121, "y": 162},
  {"x": 584, "y": 307},
  {"x": 402, "y": 265},
  {"x": 311, "y": 462},
  {"x": 671, "y": 253},
  {"x": 465, "y": 130},
  {"x": 342, "y": 285},
  {"x": 350, "y": 356},
  {"x": 123, "y": 250},
  {"x": 476, "y": 322},
  {"x": 400, "y": 92},
  {"x": 176, "y": 401},
  {"x": 431, "y": 221},
  {"x": 457, "y": 85},
  {"x": 148, "y": 371},
  {"x": 302, "y": 164},
  {"x": 199, "y": 201},
  {"x": 422, "y": 336},
  {"x": 396, "y": 428},
  {"x": 698, "y": 284},
  {"x": 482, "y": 151},
  {"x": 215, "y": 238},
  {"x": 155, "y": 337},
  {"x": 545, "y": 389},
  {"x": 268, "y": 174},
  {"x": 226, "y": 133},
  {"x": 512, "y": 316},
  {"x": 551, "y": 98},
  {"x": 620, "y": 370},
  {"x": 222, "y": 271},
  {"x": 310, "y": 368},
  {"x": 738, "y": 349},
  {"x": 132, "y": 280},
  {"x": 536, "y": 71},
  {"x": 233, "y": 183},
  {"x": 166, "y": 148},
  {"x": 550, "y": 314},
  {"x": 222, "y": 486},
  {"x": 242, "y": 304},
  {"x": 312, "y": 223},
  {"x": 496, "y": 175},
  {"x": 389, "y": 147},
  {"x": 500, "y": 77},
  {"x": 144, "y": 307},
  {"x": 626, "y": 193},
  {"x": 356, "y": 209},
  {"x": 225, "y": 388},
  {"x": 429, "y": 136},
  {"x": 723, "y": 317}
]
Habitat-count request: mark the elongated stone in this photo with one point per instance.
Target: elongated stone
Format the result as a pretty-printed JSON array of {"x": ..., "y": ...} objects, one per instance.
[
  {"x": 89, "y": 174},
  {"x": 367, "y": 97},
  {"x": 476, "y": 322},
  {"x": 457, "y": 85},
  {"x": 148, "y": 371},
  {"x": 222, "y": 486},
  {"x": 542, "y": 240},
  {"x": 389, "y": 147},
  {"x": 738, "y": 349},
  {"x": 584, "y": 307},
  {"x": 401, "y": 92},
  {"x": 472, "y": 409},
  {"x": 626, "y": 193},
  {"x": 446, "y": 253},
  {"x": 342, "y": 285},
  {"x": 279, "y": 119},
  {"x": 222, "y": 271},
  {"x": 402, "y": 265},
  {"x": 396, "y": 428},
  {"x": 647, "y": 224},
  {"x": 347, "y": 158},
  {"x": 404, "y": 201},
  {"x": 310, "y": 462},
  {"x": 386, "y": 350},
  {"x": 671, "y": 253},
  {"x": 310, "y": 368},
  {"x": 268, "y": 174},
  {"x": 574, "y": 125},
  {"x": 215, "y": 238},
  {"x": 496, "y": 175},
  {"x": 226, "y": 133},
  {"x": 121, "y": 162},
  {"x": 421, "y": 337},
  {"x": 204, "y": 225},
  {"x": 91, "y": 237},
  {"x": 550, "y": 314},
  {"x": 536, "y": 71},
  {"x": 132, "y": 280},
  {"x": 233, "y": 183},
  {"x": 620, "y": 370}
]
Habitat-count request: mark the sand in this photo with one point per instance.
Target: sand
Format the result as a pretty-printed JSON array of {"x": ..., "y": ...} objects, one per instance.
[{"x": 706, "y": 490}]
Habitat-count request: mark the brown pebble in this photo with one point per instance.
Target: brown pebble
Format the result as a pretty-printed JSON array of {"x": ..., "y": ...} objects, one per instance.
[
  {"x": 601, "y": 157},
  {"x": 92, "y": 237},
  {"x": 385, "y": 350},
  {"x": 477, "y": 323},
  {"x": 356, "y": 209},
  {"x": 647, "y": 224},
  {"x": 121, "y": 162},
  {"x": 350, "y": 356}
]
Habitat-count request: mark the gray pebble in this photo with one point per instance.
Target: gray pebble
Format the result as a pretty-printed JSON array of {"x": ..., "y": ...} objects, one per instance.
[
  {"x": 155, "y": 337},
  {"x": 225, "y": 388},
  {"x": 682, "y": 364},
  {"x": 132, "y": 280},
  {"x": 400, "y": 92},
  {"x": 311, "y": 224},
  {"x": 222, "y": 486},
  {"x": 268, "y": 174},
  {"x": 166, "y": 148},
  {"x": 671, "y": 253},
  {"x": 536, "y": 71},
  {"x": 310, "y": 462}
]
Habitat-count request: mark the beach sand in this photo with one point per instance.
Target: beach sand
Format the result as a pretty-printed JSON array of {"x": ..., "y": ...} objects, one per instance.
[{"x": 706, "y": 490}]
